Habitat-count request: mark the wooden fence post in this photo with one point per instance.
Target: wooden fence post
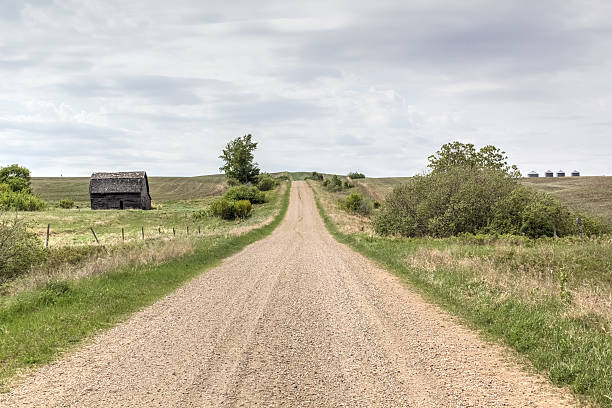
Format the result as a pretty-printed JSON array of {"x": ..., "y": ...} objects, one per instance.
[
  {"x": 142, "y": 229},
  {"x": 122, "y": 234},
  {"x": 94, "y": 234},
  {"x": 173, "y": 231},
  {"x": 159, "y": 230},
  {"x": 579, "y": 222},
  {"x": 198, "y": 230},
  {"x": 47, "y": 241},
  {"x": 188, "y": 230}
]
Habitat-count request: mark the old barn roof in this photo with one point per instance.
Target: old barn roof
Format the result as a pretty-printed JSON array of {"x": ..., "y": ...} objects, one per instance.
[{"x": 119, "y": 182}]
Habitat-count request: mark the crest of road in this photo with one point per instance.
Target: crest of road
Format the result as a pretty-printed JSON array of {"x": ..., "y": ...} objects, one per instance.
[{"x": 295, "y": 319}]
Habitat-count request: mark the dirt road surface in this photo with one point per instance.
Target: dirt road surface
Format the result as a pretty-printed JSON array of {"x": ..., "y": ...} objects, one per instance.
[{"x": 295, "y": 319}]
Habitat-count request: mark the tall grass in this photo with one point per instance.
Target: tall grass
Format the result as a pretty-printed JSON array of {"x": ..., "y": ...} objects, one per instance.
[{"x": 36, "y": 326}]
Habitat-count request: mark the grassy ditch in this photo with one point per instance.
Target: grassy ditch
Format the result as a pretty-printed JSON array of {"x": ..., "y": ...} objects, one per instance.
[
  {"x": 550, "y": 300},
  {"x": 36, "y": 326}
]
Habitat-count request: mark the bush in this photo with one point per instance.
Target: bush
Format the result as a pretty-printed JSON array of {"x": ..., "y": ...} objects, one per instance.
[
  {"x": 66, "y": 203},
  {"x": 356, "y": 203},
  {"x": 266, "y": 182},
  {"x": 244, "y": 192},
  {"x": 243, "y": 208},
  {"x": 314, "y": 176},
  {"x": 465, "y": 200},
  {"x": 19, "y": 200},
  {"x": 354, "y": 175},
  {"x": 334, "y": 184},
  {"x": 443, "y": 204},
  {"x": 19, "y": 249},
  {"x": 230, "y": 210},
  {"x": 223, "y": 208}
]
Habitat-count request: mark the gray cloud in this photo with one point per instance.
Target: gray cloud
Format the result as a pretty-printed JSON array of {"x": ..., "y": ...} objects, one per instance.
[{"x": 332, "y": 86}]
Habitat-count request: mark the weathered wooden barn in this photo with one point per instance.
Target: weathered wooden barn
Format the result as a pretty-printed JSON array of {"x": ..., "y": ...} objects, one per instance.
[{"x": 118, "y": 191}]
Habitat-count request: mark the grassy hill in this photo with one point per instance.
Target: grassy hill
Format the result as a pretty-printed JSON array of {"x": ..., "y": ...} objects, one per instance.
[
  {"x": 590, "y": 194},
  {"x": 162, "y": 188}
]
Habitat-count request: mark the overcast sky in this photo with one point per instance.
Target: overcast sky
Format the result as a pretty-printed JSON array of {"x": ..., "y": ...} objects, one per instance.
[{"x": 334, "y": 86}]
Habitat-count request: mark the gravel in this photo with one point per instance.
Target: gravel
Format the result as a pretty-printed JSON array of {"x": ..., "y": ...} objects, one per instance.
[{"x": 295, "y": 319}]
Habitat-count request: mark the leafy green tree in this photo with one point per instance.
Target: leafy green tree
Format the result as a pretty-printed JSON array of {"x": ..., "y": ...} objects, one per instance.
[
  {"x": 17, "y": 178},
  {"x": 238, "y": 158},
  {"x": 465, "y": 155}
]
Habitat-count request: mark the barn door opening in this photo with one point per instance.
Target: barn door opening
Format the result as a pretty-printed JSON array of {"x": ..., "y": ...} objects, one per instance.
[{"x": 121, "y": 204}]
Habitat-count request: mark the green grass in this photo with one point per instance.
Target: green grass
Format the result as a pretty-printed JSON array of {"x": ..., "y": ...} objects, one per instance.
[
  {"x": 72, "y": 226},
  {"x": 36, "y": 326},
  {"x": 162, "y": 189},
  {"x": 571, "y": 346}
]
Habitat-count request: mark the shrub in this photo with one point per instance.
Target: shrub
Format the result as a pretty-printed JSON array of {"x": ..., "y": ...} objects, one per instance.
[
  {"x": 465, "y": 200},
  {"x": 230, "y": 210},
  {"x": 19, "y": 249},
  {"x": 266, "y": 182},
  {"x": 223, "y": 208},
  {"x": 545, "y": 216},
  {"x": 356, "y": 203},
  {"x": 242, "y": 208},
  {"x": 460, "y": 199},
  {"x": 244, "y": 192},
  {"x": 66, "y": 203},
  {"x": 19, "y": 200},
  {"x": 314, "y": 176},
  {"x": 334, "y": 184},
  {"x": 356, "y": 175}
]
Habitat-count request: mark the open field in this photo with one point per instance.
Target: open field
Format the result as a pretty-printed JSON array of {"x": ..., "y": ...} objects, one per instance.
[
  {"x": 592, "y": 194},
  {"x": 72, "y": 226},
  {"x": 162, "y": 189},
  {"x": 550, "y": 300}
]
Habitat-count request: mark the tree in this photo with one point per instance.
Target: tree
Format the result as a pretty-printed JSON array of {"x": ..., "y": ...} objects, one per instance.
[
  {"x": 457, "y": 154},
  {"x": 238, "y": 158},
  {"x": 17, "y": 178}
]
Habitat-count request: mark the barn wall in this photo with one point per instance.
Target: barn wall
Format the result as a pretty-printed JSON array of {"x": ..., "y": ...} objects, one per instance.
[
  {"x": 145, "y": 199},
  {"x": 112, "y": 201}
]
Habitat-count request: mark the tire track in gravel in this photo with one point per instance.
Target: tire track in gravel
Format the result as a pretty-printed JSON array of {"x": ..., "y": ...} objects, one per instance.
[{"x": 295, "y": 319}]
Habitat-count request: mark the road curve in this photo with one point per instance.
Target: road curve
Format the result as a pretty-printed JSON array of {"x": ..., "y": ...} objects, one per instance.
[{"x": 295, "y": 319}]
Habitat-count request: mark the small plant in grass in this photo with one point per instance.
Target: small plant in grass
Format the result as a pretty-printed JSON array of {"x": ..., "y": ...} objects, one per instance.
[
  {"x": 66, "y": 203},
  {"x": 356, "y": 175}
]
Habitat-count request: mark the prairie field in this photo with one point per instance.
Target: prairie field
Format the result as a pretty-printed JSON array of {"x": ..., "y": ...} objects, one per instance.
[{"x": 163, "y": 189}]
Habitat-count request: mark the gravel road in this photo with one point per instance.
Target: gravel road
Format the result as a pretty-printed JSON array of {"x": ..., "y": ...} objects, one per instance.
[{"x": 295, "y": 319}]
